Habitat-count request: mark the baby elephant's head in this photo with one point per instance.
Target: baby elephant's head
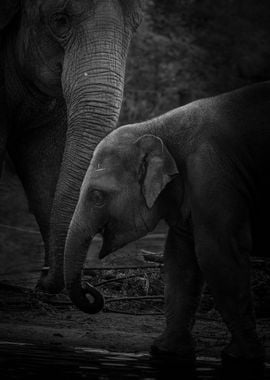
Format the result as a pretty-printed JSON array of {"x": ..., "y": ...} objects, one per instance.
[{"x": 119, "y": 197}]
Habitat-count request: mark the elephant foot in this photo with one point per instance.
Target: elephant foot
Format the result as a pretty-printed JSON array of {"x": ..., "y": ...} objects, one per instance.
[
  {"x": 172, "y": 347},
  {"x": 247, "y": 347},
  {"x": 48, "y": 283},
  {"x": 242, "y": 368},
  {"x": 247, "y": 356}
]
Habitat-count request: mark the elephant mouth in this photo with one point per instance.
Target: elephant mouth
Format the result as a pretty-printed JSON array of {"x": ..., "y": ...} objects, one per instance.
[
  {"x": 105, "y": 251},
  {"x": 111, "y": 242},
  {"x": 107, "y": 244}
]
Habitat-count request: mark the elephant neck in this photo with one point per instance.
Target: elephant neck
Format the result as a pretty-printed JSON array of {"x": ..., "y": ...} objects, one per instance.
[
  {"x": 178, "y": 129},
  {"x": 174, "y": 203}
]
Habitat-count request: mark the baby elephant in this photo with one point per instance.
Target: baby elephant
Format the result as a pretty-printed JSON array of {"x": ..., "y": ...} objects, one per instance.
[{"x": 205, "y": 169}]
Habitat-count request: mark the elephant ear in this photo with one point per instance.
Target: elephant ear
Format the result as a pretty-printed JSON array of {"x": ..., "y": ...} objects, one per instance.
[
  {"x": 8, "y": 8},
  {"x": 157, "y": 165}
]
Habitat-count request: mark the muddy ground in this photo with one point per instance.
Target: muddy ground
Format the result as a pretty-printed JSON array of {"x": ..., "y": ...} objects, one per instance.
[{"x": 26, "y": 316}]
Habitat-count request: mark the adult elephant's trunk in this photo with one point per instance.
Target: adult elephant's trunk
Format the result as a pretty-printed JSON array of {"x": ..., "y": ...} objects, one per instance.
[
  {"x": 92, "y": 81},
  {"x": 77, "y": 243}
]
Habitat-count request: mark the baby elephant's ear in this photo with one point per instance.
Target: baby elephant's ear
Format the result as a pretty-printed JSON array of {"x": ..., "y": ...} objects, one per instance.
[{"x": 157, "y": 167}]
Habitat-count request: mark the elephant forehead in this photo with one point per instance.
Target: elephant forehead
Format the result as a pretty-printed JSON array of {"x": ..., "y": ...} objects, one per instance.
[
  {"x": 101, "y": 171},
  {"x": 109, "y": 175},
  {"x": 117, "y": 172},
  {"x": 104, "y": 182},
  {"x": 111, "y": 179},
  {"x": 106, "y": 164},
  {"x": 115, "y": 157}
]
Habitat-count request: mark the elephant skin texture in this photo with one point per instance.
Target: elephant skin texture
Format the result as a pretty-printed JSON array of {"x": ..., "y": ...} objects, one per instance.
[
  {"x": 61, "y": 84},
  {"x": 204, "y": 168}
]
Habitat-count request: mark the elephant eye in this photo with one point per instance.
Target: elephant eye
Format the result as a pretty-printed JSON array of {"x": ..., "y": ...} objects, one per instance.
[
  {"x": 60, "y": 24},
  {"x": 98, "y": 198}
]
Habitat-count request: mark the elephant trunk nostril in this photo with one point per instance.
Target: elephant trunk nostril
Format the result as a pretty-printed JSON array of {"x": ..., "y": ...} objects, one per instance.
[{"x": 93, "y": 295}]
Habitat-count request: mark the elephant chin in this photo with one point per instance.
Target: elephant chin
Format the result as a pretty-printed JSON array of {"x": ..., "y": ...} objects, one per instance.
[
  {"x": 112, "y": 243},
  {"x": 105, "y": 250}
]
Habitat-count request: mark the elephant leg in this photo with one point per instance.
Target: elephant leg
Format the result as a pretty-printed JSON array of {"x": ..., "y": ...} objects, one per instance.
[
  {"x": 37, "y": 158},
  {"x": 3, "y": 139},
  {"x": 3, "y": 129},
  {"x": 183, "y": 285},
  {"x": 223, "y": 251}
]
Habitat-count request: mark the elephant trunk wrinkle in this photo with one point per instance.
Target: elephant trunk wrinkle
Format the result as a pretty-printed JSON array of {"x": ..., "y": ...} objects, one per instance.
[{"x": 102, "y": 91}]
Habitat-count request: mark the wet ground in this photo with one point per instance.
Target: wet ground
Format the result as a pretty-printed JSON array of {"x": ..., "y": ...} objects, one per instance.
[{"x": 20, "y": 360}]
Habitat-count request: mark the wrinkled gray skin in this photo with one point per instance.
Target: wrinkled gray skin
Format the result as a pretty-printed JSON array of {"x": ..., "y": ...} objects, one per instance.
[
  {"x": 61, "y": 81},
  {"x": 204, "y": 168}
]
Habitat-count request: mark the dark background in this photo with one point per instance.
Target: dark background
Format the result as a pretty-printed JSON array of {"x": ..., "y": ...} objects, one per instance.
[{"x": 188, "y": 49}]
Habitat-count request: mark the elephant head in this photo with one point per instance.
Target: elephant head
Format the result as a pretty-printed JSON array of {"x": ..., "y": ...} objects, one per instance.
[
  {"x": 75, "y": 49},
  {"x": 120, "y": 198}
]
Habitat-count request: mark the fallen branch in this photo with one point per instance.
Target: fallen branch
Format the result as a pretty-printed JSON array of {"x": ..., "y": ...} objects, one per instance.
[
  {"x": 152, "y": 256},
  {"x": 90, "y": 270},
  {"x": 141, "y": 298},
  {"x": 116, "y": 280},
  {"x": 129, "y": 312},
  {"x": 155, "y": 236},
  {"x": 19, "y": 229}
]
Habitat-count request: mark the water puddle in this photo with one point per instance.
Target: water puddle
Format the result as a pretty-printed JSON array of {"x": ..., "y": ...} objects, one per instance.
[{"x": 20, "y": 360}]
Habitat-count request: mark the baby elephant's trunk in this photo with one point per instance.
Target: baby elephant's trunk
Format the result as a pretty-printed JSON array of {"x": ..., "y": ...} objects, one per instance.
[{"x": 78, "y": 241}]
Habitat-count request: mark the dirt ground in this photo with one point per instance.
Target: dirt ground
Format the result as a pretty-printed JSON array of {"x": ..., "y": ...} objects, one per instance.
[{"x": 29, "y": 317}]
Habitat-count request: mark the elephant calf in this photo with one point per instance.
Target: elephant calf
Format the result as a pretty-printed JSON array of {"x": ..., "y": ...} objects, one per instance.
[{"x": 204, "y": 168}]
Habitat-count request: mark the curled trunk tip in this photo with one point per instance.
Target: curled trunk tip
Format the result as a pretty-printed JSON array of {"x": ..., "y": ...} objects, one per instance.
[
  {"x": 78, "y": 295},
  {"x": 77, "y": 244}
]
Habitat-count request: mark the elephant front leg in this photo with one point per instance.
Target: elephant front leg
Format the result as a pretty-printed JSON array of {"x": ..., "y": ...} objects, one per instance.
[
  {"x": 183, "y": 284},
  {"x": 3, "y": 129},
  {"x": 223, "y": 256},
  {"x": 37, "y": 158},
  {"x": 3, "y": 139}
]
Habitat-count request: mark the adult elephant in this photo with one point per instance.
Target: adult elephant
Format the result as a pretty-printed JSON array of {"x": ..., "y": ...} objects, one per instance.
[{"x": 61, "y": 85}]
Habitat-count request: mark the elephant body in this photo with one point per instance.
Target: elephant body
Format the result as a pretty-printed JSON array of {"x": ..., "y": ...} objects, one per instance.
[
  {"x": 204, "y": 168},
  {"x": 61, "y": 82}
]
